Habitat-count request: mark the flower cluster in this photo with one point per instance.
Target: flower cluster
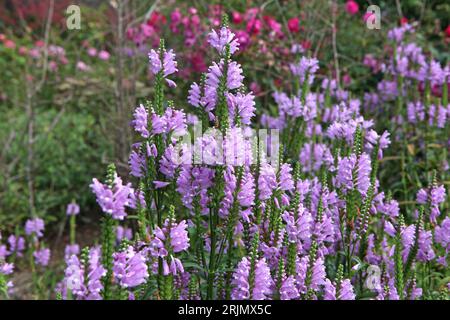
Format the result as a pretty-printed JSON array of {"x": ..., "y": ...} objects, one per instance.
[{"x": 306, "y": 214}]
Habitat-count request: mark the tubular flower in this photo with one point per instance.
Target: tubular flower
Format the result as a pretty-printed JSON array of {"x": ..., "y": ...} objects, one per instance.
[
  {"x": 113, "y": 199},
  {"x": 262, "y": 281},
  {"x": 219, "y": 40},
  {"x": 168, "y": 64},
  {"x": 130, "y": 268}
]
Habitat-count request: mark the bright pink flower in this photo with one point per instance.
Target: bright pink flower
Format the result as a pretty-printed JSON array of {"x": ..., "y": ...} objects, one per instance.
[
  {"x": 447, "y": 31},
  {"x": 2, "y": 37},
  {"x": 39, "y": 43},
  {"x": 352, "y": 7},
  {"x": 254, "y": 26},
  {"x": 403, "y": 21},
  {"x": 195, "y": 20},
  {"x": 236, "y": 17},
  {"x": 294, "y": 25},
  {"x": 367, "y": 15},
  {"x": 273, "y": 25}
]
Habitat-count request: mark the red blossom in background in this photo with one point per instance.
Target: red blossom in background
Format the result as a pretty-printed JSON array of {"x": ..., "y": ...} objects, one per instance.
[
  {"x": 254, "y": 26},
  {"x": 447, "y": 31},
  {"x": 34, "y": 12},
  {"x": 294, "y": 25},
  {"x": 236, "y": 17}
]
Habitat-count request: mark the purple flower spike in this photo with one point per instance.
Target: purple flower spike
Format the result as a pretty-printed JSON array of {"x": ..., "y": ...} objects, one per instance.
[
  {"x": 220, "y": 40},
  {"x": 130, "y": 268},
  {"x": 113, "y": 200},
  {"x": 34, "y": 226}
]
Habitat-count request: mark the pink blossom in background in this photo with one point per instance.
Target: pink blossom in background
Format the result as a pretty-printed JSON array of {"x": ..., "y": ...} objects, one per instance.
[
  {"x": 346, "y": 79},
  {"x": 9, "y": 44},
  {"x": 175, "y": 20},
  {"x": 34, "y": 53},
  {"x": 52, "y": 66},
  {"x": 82, "y": 66},
  {"x": 39, "y": 43},
  {"x": 352, "y": 7},
  {"x": 244, "y": 39},
  {"x": 255, "y": 87},
  {"x": 273, "y": 25},
  {"x": 254, "y": 26},
  {"x": 103, "y": 55},
  {"x": 92, "y": 52},
  {"x": 23, "y": 51}
]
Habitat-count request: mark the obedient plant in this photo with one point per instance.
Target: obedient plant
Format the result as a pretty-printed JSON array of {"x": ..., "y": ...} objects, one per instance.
[{"x": 214, "y": 210}]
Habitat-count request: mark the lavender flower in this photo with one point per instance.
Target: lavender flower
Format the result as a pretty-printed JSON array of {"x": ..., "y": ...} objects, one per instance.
[
  {"x": 220, "y": 40},
  {"x": 262, "y": 282},
  {"x": 425, "y": 252},
  {"x": 16, "y": 245},
  {"x": 84, "y": 284},
  {"x": 130, "y": 268},
  {"x": 171, "y": 238},
  {"x": 72, "y": 209},
  {"x": 242, "y": 105},
  {"x": 70, "y": 250},
  {"x": 42, "y": 256},
  {"x": 285, "y": 181},
  {"x": 442, "y": 234},
  {"x": 137, "y": 162},
  {"x": 140, "y": 121},
  {"x": 267, "y": 181},
  {"x": 123, "y": 233},
  {"x": 179, "y": 237},
  {"x": 34, "y": 227},
  {"x": 241, "y": 287},
  {"x": 215, "y": 72},
  {"x": 168, "y": 65},
  {"x": 113, "y": 200},
  {"x": 305, "y": 69},
  {"x": 373, "y": 138},
  {"x": 354, "y": 173},
  {"x": 246, "y": 195},
  {"x": 288, "y": 290}
]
